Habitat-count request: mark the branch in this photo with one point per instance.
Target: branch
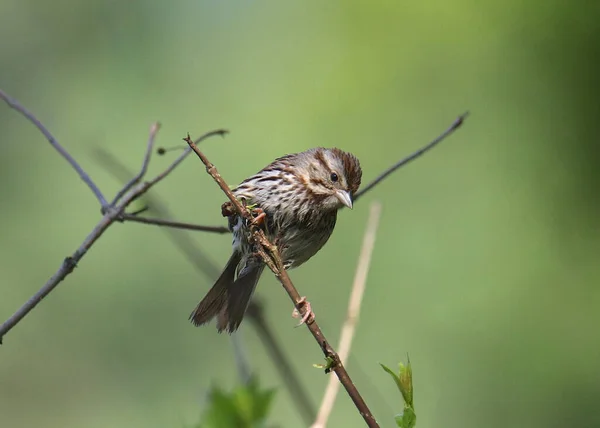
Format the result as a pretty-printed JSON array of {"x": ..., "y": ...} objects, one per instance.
[
  {"x": 186, "y": 152},
  {"x": 455, "y": 125},
  {"x": 12, "y": 103},
  {"x": 349, "y": 327},
  {"x": 174, "y": 224},
  {"x": 136, "y": 178},
  {"x": 111, "y": 213},
  {"x": 270, "y": 256}
]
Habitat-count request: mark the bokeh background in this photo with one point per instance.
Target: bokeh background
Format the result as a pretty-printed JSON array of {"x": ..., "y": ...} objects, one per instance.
[{"x": 486, "y": 266}]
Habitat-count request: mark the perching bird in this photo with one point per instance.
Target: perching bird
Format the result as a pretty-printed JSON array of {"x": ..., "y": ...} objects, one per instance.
[{"x": 299, "y": 195}]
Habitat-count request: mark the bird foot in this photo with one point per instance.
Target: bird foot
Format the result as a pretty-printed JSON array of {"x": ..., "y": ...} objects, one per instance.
[
  {"x": 260, "y": 216},
  {"x": 308, "y": 317}
]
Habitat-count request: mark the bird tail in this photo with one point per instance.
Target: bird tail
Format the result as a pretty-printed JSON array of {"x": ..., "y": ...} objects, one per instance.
[
  {"x": 239, "y": 298},
  {"x": 215, "y": 300},
  {"x": 228, "y": 298}
]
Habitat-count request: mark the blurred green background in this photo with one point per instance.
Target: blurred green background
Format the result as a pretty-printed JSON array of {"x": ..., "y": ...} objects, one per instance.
[{"x": 486, "y": 266}]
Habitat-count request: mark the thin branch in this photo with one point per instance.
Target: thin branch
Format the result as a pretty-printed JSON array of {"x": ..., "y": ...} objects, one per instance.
[
  {"x": 186, "y": 152},
  {"x": 139, "y": 211},
  {"x": 135, "y": 179},
  {"x": 455, "y": 125},
  {"x": 56, "y": 145},
  {"x": 67, "y": 266},
  {"x": 271, "y": 257},
  {"x": 174, "y": 224},
  {"x": 111, "y": 214},
  {"x": 356, "y": 296}
]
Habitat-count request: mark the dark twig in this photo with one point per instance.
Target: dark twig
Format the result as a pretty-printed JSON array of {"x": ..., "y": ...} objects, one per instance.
[
  {"x": 270, "y": 256},
  {"x": 136, "y": 178},
  {"x": 455, "y": 125},
  {"x": 174, "y": 224},
  {"x": 186, "y": 152},
  {"x": 139, "y": 211},
  {"x": 56, "y": 145},
  {"x": 67, "y": 266},
  {"x": 111, "y": 214}
]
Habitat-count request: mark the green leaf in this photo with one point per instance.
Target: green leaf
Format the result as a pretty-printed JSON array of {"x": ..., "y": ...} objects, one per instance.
[
  {"x": 407, "y": 419},
  {"x": 328, "y": 366},
  {"x": 247, "y": 406},
  {"x": 393, "y": 375},
  {"x": 221, "y": 411},
  {"x": 403, "y": 380},
  {"x": 406, "y": 382}
]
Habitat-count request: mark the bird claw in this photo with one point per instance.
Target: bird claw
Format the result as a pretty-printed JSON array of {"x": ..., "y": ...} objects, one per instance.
[
  {"x": 259, "y": 219},
  {"x": 309, "y": 315}
]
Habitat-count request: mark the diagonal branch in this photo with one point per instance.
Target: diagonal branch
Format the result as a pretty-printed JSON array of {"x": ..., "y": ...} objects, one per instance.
[
  {"x": 271, "y": 257},
  {"x": 455, "y": 125},
  {"x": 56, "y": 145},
  {"x": 349, "y": 327}
]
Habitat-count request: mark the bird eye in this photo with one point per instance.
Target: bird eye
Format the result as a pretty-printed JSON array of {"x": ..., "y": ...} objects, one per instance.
[{"x": 334, "y": 177}]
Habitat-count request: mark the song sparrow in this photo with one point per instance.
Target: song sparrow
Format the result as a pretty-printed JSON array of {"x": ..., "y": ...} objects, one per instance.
[{"x": 299, "y": 196}]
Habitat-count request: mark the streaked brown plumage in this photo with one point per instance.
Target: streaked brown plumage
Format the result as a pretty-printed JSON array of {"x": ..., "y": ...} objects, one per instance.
[{"x": 300, "y": 194}]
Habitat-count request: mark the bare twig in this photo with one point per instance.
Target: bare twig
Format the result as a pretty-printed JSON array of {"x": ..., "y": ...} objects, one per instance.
[
  {"x": 455, "y": 125},
  {"x": 186, "y": 152},
  {"x": 56, "y": 145},
  {"x": 174, "y": 224},
  {"x": 136, "y": 178},
  {"x": 349, "y": 327},
  {"x": 111, "y": 214},
  {"x": 271, "y": 257}
]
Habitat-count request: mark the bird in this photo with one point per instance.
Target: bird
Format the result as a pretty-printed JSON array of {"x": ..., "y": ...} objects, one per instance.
[{"x": 297, "y": 198}]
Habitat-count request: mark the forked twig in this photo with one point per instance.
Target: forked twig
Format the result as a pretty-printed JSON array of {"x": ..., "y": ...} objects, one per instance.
[
  {"x": 356, "y": 296},
  {"x": 272, "y": 259},
  {"x": 111, "y": 212},
  {"x": 136, "y": 178}
]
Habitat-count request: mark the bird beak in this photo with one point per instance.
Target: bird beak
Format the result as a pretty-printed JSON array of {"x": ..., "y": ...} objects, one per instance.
[{"x": 344, "y": 197}]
